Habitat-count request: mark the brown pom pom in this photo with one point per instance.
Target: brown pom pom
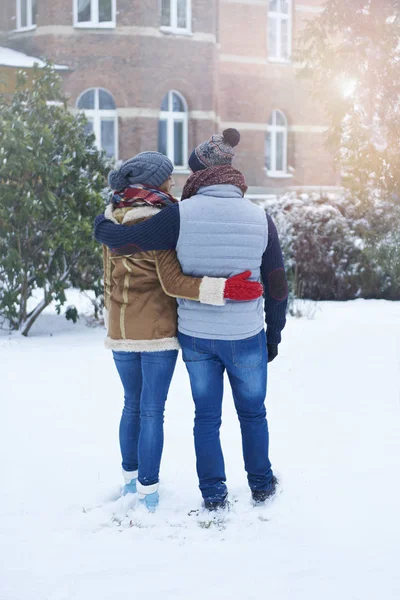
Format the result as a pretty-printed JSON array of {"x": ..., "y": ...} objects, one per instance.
[{"x": 231, "y": 136}]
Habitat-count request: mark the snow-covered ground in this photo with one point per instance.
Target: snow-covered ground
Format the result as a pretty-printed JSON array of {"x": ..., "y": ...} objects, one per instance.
[{"x": 332, "y": 532}]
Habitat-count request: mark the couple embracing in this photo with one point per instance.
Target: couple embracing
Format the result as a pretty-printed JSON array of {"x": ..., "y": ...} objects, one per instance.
[{"x": 187, "y": 275}]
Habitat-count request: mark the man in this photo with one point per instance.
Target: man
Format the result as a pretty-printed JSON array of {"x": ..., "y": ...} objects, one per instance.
[{"x": 217, "y": 232}]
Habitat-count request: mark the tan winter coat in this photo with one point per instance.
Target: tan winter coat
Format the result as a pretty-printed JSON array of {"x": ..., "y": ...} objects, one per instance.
[{"x": 140, "y": 292}]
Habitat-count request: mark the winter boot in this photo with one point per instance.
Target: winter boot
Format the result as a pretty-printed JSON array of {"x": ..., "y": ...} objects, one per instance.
[
  {"x": 130, "y": 482},
  {"x": 260, "y": 496},
  {"x": 217, "y": 505},
  {"x": 148, "y": 495}
]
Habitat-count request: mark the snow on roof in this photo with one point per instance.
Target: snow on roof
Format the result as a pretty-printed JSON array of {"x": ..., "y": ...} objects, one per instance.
[{"x": 12, "y": 58}]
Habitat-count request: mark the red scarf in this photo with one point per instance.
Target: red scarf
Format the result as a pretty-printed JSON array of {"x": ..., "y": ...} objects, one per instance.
[
  {"x": 225, "y": 175},
  {"x": 143, "y": 195}
]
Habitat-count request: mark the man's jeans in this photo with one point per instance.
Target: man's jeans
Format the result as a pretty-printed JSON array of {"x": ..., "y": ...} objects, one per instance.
[
  {"x": 146, "y": 377},
  {"x": 246, "y": 364}
]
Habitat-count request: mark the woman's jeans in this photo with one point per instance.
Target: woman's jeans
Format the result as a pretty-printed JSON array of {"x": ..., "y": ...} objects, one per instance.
[
  {"x": 246, "y": 364},
  {"x": 146, "y": 377}
]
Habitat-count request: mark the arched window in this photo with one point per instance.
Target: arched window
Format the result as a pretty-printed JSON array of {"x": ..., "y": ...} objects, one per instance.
[
  {"x": 26, "y": 14},
  {"x": 94, "y": 13},
  {"x": 101, "y": 113},
  {"x": 176, "y": 15},
  {"x": 173, "y": 128},
  {"x": 276, "y": 144},
  {"x": 280, "y": 30}
]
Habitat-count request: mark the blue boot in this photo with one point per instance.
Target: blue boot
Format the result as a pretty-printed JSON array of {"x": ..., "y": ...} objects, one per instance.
[
  {"x": 148, "y": 495},
  {"x": 130, "y": 482},
  {"x": 150, "y": 501},
  {"x": 129, "y": 488}
]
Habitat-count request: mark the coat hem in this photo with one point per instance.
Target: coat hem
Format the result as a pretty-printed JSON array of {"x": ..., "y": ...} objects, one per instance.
[
  {"x": 142, "y": 345},
  {"x": 233, "y": 337}
]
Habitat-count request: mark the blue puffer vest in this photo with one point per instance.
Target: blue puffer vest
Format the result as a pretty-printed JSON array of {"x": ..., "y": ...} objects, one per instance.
[{"x": 221, "y": 234}]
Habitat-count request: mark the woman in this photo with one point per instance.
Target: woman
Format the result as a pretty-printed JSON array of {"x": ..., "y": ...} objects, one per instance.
[{"x": 140, "y": 293}]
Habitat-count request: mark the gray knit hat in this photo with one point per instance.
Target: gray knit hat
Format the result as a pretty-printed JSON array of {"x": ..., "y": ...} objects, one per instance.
[
  {"x": 148, "y": 168},
  {"x": 217, "y": 151}
]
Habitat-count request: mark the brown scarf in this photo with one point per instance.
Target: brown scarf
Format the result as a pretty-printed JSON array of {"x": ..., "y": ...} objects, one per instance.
[{"x": 212, "y": 176}]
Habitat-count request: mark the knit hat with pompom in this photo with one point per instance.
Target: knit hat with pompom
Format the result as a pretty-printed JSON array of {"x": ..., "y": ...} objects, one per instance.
[{"x": 218, "y": 150}]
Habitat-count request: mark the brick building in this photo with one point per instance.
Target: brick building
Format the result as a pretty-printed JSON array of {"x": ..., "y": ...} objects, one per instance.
[{"x": 165, "y": 74}]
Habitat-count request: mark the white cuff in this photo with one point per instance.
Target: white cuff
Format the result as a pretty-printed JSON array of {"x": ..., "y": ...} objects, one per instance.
[
  {"x": 129, "y": 475},
  {"x": 212, "y": 291},
  {"x": 145, "y": 490}
]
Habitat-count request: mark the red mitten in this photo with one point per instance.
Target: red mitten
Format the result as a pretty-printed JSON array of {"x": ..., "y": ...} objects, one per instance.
[{"x": 239, "y": 288}]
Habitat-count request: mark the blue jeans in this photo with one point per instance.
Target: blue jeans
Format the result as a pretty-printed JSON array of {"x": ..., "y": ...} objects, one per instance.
[
  {"x": 146, "y": 377},
  {"x": 246, "y": 364}
]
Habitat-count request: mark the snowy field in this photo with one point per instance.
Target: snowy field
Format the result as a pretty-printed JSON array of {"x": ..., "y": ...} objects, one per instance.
[{"x": 332, "y": 533}]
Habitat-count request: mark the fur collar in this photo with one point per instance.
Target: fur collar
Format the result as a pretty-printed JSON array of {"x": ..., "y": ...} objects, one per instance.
[
  {"x": 135, "y": 212},
  {"x": 140, "y": 212}
]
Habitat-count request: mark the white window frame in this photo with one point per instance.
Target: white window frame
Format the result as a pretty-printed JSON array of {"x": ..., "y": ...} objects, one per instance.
[
  {"x": 272, "y": 130},
  {"x": 173, "y": 26},
  {"x": 96, "y": 115},
  {"x": 18, "y": 7},
  {"x": 172, "y": 117},
  {"x": 94, "y": 11},
  {"x": 275, "y": 19}
]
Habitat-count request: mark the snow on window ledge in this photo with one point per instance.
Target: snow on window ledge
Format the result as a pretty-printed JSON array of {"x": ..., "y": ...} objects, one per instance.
[
  {"x": 278, "y": 174},
  {"x": 176, "y": 30},
  {"x": 280, "y": 61},
  {"x": 93, "y": 25},
  {"x": 23, "y": 29}
]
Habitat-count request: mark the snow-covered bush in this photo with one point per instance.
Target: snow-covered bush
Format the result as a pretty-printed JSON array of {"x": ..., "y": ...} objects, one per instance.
[
  {"x": 338, "y": 248},
  {"x": 380, "y": 271},
  {"x": 51, "y": 179}
]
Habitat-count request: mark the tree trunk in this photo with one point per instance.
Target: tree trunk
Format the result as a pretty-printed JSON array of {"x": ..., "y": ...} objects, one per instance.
[
  {"x": 26, "y": 325},
  {"x": 24, "y": 300},
  {"x": 34, "y": 314}
]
